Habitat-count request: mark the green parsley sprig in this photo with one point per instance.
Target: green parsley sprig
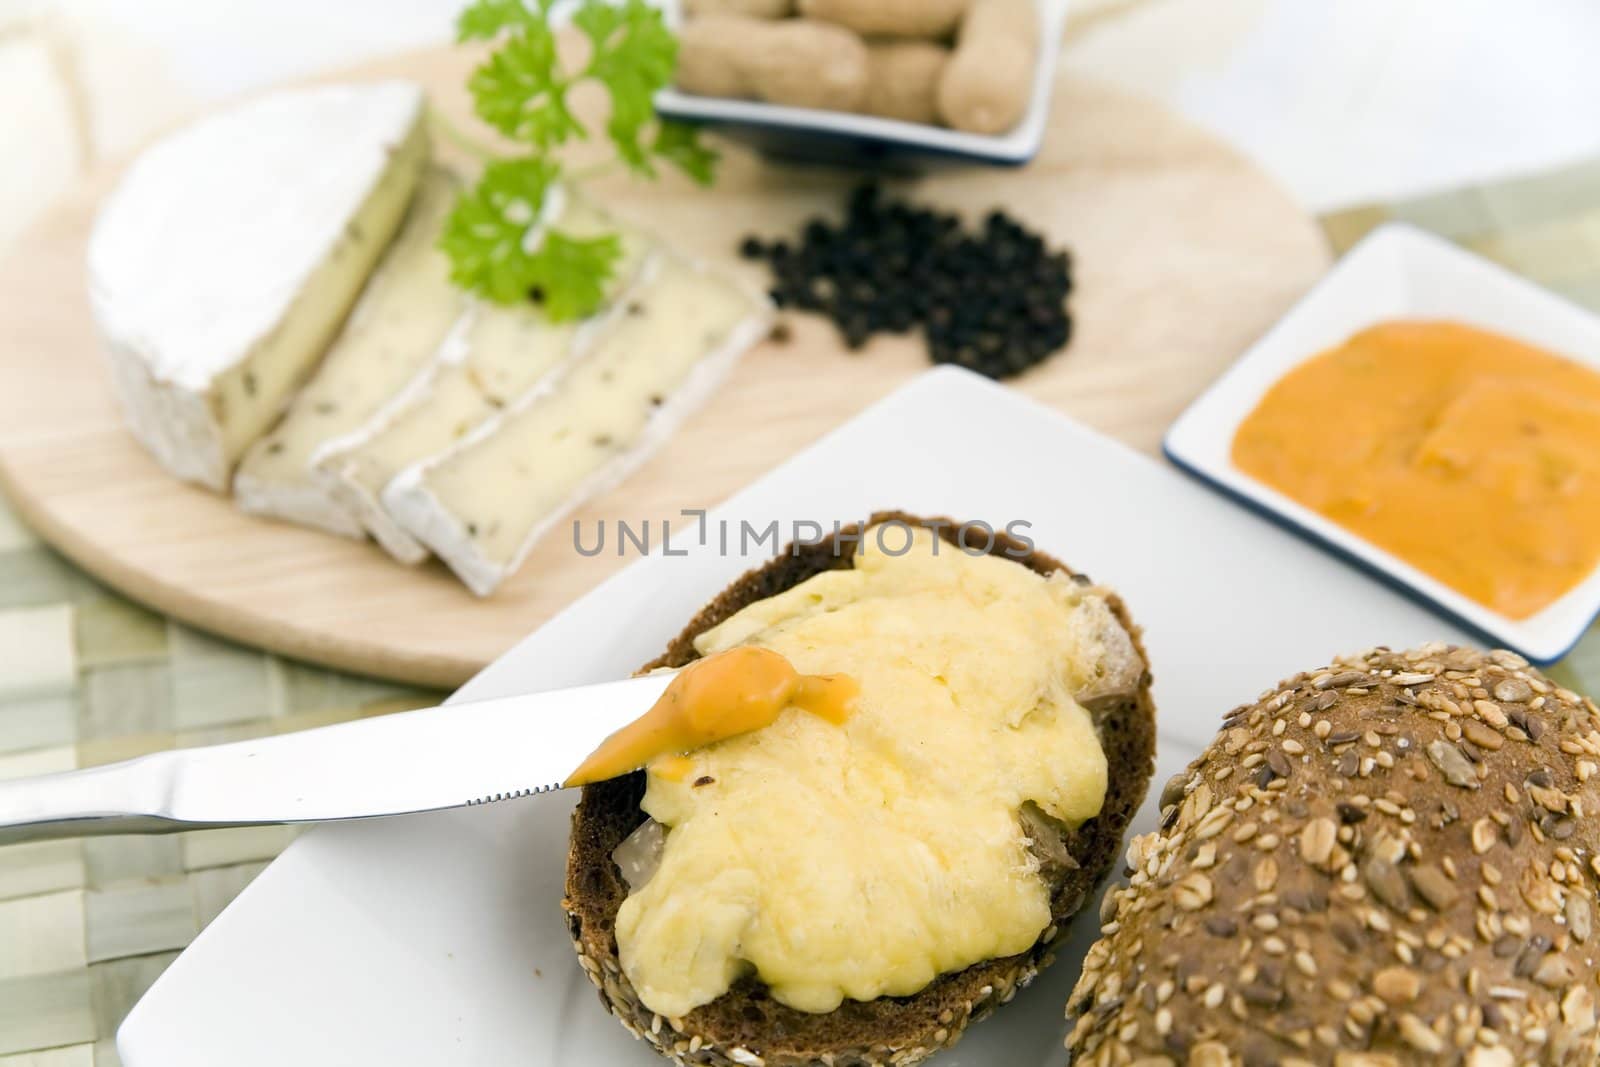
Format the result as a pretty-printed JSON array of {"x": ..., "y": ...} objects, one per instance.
[{"x": 522, "y": 90}]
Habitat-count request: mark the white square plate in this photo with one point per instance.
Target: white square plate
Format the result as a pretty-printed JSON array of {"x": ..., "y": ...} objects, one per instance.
[
  {"x": 1397, "y": 272},
  {"x": 438, "y": 939},
  {"x": 816, "y": 133}
]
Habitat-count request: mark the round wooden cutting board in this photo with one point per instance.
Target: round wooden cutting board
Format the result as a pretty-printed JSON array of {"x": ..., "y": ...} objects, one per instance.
[{"x": 1184, "y": 254}]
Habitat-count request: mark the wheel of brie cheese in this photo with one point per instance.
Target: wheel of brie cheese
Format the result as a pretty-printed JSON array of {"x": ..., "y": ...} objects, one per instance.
[
  {"x": 224, "y": 263},
  {"x": 280, "y": 320}
]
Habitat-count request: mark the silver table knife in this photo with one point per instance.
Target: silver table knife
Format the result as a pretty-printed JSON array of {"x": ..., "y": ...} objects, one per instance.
[{"x": 446, "y": 757}]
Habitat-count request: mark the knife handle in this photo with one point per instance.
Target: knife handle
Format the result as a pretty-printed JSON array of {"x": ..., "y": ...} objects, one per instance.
[{"x": 119, "y": 798}]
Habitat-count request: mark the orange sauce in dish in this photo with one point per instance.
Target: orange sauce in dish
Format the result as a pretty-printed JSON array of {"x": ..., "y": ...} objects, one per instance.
[
  {"x": 721, "y": 696},
  {"x": 1473, "y": 457}
]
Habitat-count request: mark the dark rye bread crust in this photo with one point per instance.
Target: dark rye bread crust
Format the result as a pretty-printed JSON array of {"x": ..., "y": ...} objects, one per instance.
[
  {"x": 747, "y": 1027},
  {"x": 1387, "y": 861}
]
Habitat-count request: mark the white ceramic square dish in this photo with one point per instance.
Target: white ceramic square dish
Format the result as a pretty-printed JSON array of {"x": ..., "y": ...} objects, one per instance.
[
  {"x": 1397, "y": 272},
  {"x": 839, "y": 135},
  {"x": 439, "y": 939}
]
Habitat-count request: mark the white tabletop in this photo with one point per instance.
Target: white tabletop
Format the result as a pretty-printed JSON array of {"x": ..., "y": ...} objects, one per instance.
[{"x": 1344, "y": 102}]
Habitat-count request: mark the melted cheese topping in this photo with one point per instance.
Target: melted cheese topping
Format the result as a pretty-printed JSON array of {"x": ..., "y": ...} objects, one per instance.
[{"x": 865, "y": 859}]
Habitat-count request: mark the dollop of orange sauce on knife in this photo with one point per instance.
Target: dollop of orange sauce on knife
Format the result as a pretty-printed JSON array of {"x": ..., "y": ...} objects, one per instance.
[
  {"x": 724, "y": 695},
  {"x": 1471, "y": 456}
]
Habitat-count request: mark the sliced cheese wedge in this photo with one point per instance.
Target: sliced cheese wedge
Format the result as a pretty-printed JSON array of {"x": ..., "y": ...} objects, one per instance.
[
  {"x": 377, "y": 364},
  {"x": 224, "y": 262},
  {"x": 492, "y": 358},
  {"x": 483, "y": 504}
]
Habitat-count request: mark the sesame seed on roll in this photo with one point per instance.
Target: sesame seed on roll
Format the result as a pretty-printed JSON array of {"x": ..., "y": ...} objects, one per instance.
[{"x": 1390, "y": 860}]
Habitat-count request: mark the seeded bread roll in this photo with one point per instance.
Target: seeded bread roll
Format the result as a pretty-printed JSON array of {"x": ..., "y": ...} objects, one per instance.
[
  {"x": 1388, "y": 861},
  {"x": 748, "y": 1028}
]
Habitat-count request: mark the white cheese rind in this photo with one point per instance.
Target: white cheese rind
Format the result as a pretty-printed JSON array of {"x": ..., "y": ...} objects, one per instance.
[
  {"x": 494, "y": 357},
  {"x": 484, "y": 504},
  {"x": 388, "y": 343},
  {"x": 221, "y": 266}
]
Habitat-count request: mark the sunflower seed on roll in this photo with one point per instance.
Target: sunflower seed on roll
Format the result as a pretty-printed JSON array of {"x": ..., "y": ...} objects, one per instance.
[{"x": 1387, "y": 861}]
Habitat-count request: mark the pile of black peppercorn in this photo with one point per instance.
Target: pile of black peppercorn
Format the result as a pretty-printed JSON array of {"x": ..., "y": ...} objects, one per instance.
[{"x": 994, "y": 302}]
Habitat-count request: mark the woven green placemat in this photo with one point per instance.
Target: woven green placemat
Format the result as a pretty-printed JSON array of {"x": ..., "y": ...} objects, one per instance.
[{"x": 87, "y": 677}]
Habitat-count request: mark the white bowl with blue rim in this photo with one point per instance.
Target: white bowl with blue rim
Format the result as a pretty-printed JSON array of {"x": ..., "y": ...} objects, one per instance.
[
  {"x": 842, "y": 136},
  {"x": 1397, "y": 272}
]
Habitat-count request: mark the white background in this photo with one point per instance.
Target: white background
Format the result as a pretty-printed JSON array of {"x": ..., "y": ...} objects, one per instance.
[{"x": 1344, "y": 100}]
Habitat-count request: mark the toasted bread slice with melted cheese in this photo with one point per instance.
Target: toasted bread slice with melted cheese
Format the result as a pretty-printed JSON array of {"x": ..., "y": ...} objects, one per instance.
[{"x": 746, "y": 1026}]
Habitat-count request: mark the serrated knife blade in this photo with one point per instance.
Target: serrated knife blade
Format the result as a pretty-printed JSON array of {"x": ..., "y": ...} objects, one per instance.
[{"x": 456, "y": 755}]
